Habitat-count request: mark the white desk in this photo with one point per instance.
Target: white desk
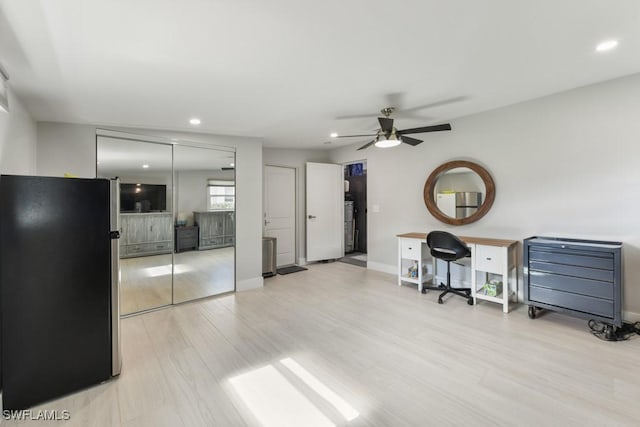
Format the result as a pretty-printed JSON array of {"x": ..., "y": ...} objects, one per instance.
[{"x": 488, "y": 257}]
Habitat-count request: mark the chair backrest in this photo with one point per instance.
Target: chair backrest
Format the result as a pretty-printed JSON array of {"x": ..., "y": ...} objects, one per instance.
[{"x": 447, "y": 246}]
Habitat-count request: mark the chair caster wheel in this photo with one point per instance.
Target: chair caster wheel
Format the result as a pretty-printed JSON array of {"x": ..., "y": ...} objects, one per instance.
[
  {"x": 470, "y": 301},
  {"x": 424, "y": 291},
  {"x": 532, "y": 312},
  {"x": 439, "y": 300}
]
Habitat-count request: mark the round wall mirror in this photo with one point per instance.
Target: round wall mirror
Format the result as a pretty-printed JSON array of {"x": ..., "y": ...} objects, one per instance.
[{"x": 459, "y": 192}]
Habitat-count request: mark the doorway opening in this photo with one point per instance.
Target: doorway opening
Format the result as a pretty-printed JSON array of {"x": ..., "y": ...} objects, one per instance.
[{"x": 355, "y": 213}]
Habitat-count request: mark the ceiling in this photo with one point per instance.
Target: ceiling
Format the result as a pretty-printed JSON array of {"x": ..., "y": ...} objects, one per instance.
[{"x": 284, "y": 70}]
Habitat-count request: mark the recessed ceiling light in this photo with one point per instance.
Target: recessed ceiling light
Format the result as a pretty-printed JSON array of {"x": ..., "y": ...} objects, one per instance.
[
  {"x": 145, "y": 166},
  {"x": 333, "y": 135},
  {"x": 137, "y": 185},
  {"x": 195, "y": 121},
  {"x": 606, "y": 45}
]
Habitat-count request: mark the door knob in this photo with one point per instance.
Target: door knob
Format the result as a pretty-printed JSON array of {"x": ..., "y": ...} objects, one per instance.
[{"x": 311, "y": 216}]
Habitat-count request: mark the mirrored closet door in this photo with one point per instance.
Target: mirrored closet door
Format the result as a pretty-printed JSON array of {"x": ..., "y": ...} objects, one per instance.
[
  {"x": 146, "y": 219},
  {"x": 205, "y": 222},
  {"x": 177, "y": 218}
]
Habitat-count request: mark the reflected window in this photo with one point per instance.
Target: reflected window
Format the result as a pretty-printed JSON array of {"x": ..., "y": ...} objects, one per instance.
[{"x": 221, "y": 195}]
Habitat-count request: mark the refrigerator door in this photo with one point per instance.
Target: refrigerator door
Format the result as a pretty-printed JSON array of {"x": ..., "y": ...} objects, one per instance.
[
  {"x": 55, "y": 280},
  {"x": 465, "y": 211},
  {"x": 468, "y": 199},
  {"x": 114, "y": 220}
]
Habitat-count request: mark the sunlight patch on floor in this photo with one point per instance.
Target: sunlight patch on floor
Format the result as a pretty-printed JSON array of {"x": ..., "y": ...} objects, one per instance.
[
  {"x": 274, "y": 401},
  {"x": 325, "y": 392},
  {"x": 165, "y": 270}
]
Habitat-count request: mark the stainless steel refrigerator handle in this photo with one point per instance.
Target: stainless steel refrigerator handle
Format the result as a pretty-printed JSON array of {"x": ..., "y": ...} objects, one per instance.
[{"x": 114, "y": 214}]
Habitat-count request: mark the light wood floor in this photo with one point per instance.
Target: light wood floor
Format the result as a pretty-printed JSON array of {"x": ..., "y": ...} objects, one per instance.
[
  {"x": 146, "y": 282},
  {"x": 393, "y": 355}
]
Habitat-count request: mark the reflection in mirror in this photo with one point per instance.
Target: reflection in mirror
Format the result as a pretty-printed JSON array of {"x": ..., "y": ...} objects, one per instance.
[
  {"x": 459, "y": 192},
  {"x": 205, "y": 222},
  {"x": 146, "y": 219}
]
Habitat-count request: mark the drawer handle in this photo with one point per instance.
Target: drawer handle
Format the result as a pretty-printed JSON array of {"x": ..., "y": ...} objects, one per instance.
[
  {"x": 488, "y": 259},
  {"x": 410, "y": 248}
]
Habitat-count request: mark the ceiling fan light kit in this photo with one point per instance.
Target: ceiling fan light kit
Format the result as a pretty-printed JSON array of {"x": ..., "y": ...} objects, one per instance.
[{"x": 384, "y": 142}]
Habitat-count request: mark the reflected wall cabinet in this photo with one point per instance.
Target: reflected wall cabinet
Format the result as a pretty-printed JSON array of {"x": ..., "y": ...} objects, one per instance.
[
  {"x": 216, "y": 229},
  {"x": 145, "y": 234}
]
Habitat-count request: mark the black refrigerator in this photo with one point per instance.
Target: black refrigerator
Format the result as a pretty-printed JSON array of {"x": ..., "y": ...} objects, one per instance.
[{"x": 59, "y": 286}]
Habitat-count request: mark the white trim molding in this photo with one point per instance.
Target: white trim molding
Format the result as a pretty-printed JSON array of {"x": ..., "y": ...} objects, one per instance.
[{"x": 249, "y": 284}]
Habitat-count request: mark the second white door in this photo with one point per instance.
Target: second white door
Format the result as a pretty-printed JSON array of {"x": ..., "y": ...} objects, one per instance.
[
  {"x": 325, "y": 211},
  {"x": 280, "y": 211}
]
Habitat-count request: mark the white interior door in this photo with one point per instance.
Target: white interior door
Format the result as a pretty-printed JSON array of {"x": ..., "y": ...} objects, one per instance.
[
  {"x": 280, "y": 211},
  {"x": 325, "y": 211}
]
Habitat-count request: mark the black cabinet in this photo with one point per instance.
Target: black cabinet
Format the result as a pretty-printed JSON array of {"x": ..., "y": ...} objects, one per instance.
[
  {"x": 186, "y": 238},
  {"x": 578, "y": 277}
]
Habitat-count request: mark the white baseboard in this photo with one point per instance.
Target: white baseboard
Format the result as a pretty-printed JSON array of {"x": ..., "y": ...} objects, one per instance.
[
  {"x": 248, "y": 284},
  {"x": 385, "y": 268},
  {"x": 630, "y": 316}
]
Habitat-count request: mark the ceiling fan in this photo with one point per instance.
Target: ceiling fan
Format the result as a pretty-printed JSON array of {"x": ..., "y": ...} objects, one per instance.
[{"x": 389, "y": 136}]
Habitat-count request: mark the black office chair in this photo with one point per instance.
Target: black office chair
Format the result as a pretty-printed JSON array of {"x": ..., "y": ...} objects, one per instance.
[{"x": 447, "y": 247}]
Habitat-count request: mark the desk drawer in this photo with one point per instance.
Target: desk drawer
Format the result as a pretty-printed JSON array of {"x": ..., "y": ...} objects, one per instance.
[
  {"x": 411, "y": 248},
  {"x": 490, "y": 258}
]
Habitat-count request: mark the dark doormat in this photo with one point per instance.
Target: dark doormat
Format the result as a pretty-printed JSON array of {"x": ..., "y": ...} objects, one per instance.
[{"x": 290, "y": 269}]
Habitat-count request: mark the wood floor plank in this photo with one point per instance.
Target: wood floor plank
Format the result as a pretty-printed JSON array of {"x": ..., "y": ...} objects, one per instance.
[{"x": 393, "y": 355}]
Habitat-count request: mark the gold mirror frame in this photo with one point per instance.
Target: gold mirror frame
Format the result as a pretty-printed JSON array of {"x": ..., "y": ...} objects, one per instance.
[{"x": 429, "y": 188}]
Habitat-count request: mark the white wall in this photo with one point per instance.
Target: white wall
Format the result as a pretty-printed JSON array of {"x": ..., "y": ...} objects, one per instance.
[
  {"x": 18, "y": 139},
  {"x": 65, "y": 147},
  {"x": 563, "y": 165},
  {"x": 297, "y": 159}
]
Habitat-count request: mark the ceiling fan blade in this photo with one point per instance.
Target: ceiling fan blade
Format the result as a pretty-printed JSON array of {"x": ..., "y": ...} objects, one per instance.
[
  {"x": 368, "y": 144},
  {"x": 386, "y": 124},
  {"x": 357, "y": 116},
  {"x": 410, "y": 141},
  {"x": 351, "y": 136},
  {"x": 434, "y": 104},
  {"x": 434, "y": 128},
  {"x": 412, "y": 116}
]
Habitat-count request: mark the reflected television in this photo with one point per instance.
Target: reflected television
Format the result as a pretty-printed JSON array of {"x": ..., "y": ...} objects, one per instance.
[{"x": 143, "y": 198}]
